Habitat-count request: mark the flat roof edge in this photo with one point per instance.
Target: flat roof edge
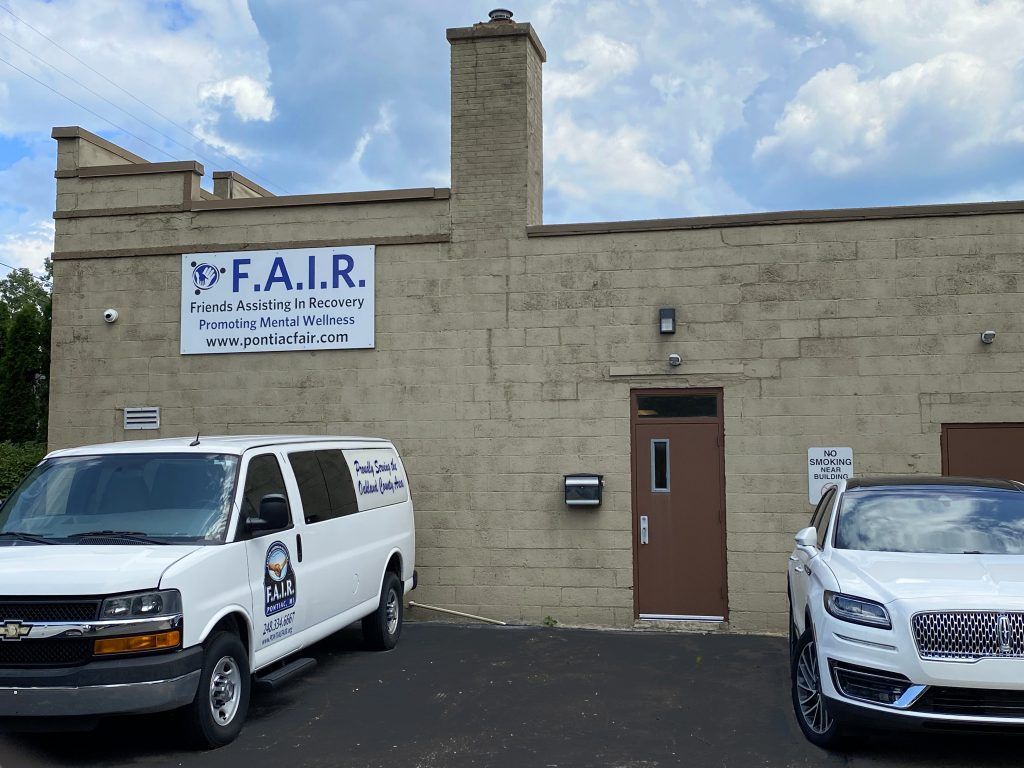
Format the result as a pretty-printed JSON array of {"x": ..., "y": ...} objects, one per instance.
[
  {"x": 336, "y": 198},
  {"x": 777, "y": 217}
]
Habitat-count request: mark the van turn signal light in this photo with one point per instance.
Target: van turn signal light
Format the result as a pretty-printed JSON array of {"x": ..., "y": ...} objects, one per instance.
[{"x": 137, "y": 643}]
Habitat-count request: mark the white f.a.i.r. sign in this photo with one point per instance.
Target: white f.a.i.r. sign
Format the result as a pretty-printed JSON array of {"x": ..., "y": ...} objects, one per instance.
[{"x": 827, "y": 466}]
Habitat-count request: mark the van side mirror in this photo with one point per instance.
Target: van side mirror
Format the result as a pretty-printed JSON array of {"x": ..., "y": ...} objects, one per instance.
[
  {"x": 273, "y": 514},
  {"x": 807, "y": 537}
]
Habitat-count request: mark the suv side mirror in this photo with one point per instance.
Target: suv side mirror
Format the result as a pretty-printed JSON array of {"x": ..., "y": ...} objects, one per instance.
[
  {"x": 807, "y": 537},
  {"x": 273, "y": 514}
]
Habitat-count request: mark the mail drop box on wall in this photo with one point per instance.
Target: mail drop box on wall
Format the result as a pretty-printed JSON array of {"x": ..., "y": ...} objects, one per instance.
[{"x": 583, "y": 489}]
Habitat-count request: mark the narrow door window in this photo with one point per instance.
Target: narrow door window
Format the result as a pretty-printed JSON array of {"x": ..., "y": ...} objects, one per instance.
[{"x": 659, "y": 466}]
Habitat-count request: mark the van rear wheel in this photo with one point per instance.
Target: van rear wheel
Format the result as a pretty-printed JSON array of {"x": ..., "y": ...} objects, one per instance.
[{"x": 382, "y": 628}]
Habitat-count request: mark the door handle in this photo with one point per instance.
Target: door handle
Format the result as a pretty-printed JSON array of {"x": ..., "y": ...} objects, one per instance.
[
  {"x": 298, "y": 546},
  {"x": 794, "y": 559},
  {"x": 644, "y": 533},
  {"x": 799, "y": 569}
]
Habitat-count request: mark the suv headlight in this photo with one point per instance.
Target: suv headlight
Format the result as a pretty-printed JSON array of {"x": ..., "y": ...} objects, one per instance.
[
  {"x": 142, "y": 605},
  {"x": 857, "y": 610}
]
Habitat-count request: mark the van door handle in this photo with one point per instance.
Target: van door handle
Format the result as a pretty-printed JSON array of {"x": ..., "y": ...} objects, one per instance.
[
  {"x": 298, "y": 546},
  {"x": 644, "y": 533}
]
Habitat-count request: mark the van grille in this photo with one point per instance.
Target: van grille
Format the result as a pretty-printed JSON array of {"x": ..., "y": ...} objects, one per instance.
[
  {"x": 51, "y": 652},
  {"x": 969, "y": 635},
  {"x": 29, "y": 611}
]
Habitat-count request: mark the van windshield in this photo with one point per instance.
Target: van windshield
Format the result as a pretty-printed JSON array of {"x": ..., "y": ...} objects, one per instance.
[{"x": 148, "y": 497}]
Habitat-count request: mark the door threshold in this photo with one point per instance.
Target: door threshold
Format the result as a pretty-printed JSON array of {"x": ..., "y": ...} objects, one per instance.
[{"x": 678, "y": 617}]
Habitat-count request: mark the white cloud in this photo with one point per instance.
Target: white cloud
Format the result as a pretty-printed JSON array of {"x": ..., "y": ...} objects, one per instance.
[
  {"x": 601, "y": 60},
  {"x": 940, "y": 79},
  {"x": 162, "y": 53},
  {"x": 249, "y": 98},
  {"x": 596, "y": 163},
  {"x": 903, "y": 31},
  {"x": 28, "y": 249},
  {"x": 384, "y": 125}
]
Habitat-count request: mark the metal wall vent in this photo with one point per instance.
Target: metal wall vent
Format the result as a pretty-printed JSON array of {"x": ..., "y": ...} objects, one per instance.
[{"x": 142, "y": 418}]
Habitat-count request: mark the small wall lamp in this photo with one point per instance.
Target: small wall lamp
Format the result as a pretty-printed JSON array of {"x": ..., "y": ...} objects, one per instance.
[{"x": 667, "y": 320}]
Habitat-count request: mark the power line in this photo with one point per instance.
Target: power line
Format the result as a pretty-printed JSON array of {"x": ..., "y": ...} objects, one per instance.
[
  {"x": 128, "y": 93},
  {"x": 82, "y": 106},
  {"x": 100, "y": 96},
  {"x": 15, "y": 269}
]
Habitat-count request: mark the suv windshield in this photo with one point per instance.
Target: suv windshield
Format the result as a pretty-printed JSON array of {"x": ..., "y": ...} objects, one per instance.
[
  {"x": 937, "y": 519},
  {"x": 166, "y": 497}
]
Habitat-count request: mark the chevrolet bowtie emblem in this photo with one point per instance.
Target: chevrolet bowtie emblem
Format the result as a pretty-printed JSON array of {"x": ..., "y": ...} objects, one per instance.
[{"x": 14, "y": 630}]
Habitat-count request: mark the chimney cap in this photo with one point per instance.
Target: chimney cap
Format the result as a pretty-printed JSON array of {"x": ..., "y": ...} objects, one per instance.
[{"x": 500, "y": 14}]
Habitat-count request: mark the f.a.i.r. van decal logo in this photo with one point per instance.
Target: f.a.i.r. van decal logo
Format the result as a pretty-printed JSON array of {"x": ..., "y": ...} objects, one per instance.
[
  {"x": 205, "y": 276},
  {"x": 278, "y": 580}
]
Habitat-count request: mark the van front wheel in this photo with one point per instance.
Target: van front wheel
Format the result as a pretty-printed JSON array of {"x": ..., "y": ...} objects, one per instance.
[
  {"x": 382, "y": 628},
  {"x": 216, "y": 715}
]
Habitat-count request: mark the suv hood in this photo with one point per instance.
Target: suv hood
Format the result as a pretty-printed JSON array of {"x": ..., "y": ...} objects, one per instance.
[
  {"x": 889, "y": 576},
  {"x": 85, "y": 569}
]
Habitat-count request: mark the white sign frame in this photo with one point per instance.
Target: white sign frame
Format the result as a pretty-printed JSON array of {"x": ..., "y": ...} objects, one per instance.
[
  {"x": 827, "y": 466},
  {"x": 278, "y": 300}
]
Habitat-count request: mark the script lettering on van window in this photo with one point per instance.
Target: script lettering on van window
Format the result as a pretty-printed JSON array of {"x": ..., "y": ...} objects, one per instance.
[
  {"x": 377, "y": 477},
  {"x": 265, "y": 301}
]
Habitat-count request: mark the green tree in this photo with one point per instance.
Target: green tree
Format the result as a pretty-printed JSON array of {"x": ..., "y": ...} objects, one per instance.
[
  {"x": 20, "y": 287},
  {"x": 21, "y": 376},
  {"x": 43, "y": 392}
]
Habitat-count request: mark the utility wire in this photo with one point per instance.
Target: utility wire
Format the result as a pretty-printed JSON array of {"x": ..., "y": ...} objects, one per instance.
[
  {"x": 15, "y": 269},
  {"x": 104, "y": 98},
  {"x": 82, "y": 106},
  {"x": 128, "y": 93}
]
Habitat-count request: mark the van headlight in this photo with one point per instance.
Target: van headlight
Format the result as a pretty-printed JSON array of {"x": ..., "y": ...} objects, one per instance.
[
  {"x": 142, "y": 605},
  {"x": 857, "y": 610}
]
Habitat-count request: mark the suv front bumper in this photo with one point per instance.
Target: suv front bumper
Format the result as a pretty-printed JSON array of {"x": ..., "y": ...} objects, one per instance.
[{"x": 115, "y": 686}]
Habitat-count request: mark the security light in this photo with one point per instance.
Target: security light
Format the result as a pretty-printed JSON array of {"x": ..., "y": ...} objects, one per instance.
[{"x": 667, "y": 320}]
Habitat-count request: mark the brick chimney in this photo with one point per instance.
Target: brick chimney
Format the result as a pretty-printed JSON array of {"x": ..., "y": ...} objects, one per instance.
[{"x": 497, "y": 132}]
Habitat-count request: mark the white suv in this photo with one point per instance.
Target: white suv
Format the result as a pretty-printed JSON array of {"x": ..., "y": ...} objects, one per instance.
[{"x": 907, "y": 606}]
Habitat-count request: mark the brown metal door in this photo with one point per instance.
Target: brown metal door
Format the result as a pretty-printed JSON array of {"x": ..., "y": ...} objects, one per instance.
[
  {"x": 678, "y": 491},
  {"x": 983, "y": 450}
]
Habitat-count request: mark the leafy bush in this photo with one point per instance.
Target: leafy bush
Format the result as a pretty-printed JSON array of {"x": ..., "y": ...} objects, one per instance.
[{"x": 16, "y": 459}]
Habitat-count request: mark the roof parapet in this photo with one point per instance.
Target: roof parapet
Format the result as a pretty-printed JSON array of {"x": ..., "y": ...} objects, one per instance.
[{"x": 229, "y": 185}]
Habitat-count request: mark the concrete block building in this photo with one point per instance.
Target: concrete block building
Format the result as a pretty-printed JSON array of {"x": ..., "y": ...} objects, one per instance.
[{"x": 507, "y": 353}]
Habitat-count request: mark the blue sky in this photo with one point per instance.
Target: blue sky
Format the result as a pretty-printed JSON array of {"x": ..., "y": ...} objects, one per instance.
[{"x": 652, "y": 108}]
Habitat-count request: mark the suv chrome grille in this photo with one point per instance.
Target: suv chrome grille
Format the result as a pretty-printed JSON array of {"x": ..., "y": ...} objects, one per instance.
[{"x": 969, "y": 635}]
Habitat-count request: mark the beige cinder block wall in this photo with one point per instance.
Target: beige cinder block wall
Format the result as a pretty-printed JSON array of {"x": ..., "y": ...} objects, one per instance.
[{"x": 506, "y": 349}]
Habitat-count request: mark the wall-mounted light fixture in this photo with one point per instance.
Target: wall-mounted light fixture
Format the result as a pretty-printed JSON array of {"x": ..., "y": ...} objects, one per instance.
[
  {"x": 987, "y": 337},
  {"x": 667, "y": 320}
]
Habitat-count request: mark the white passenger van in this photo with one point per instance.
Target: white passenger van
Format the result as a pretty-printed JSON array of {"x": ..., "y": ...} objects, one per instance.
[{"x": 150, "y": 575}]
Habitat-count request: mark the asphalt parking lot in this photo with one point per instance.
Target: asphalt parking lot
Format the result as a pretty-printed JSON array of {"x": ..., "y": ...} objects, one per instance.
[{"x": 454, "y": 695}]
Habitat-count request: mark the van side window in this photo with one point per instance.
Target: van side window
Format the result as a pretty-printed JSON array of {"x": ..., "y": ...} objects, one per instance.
[
  {"x": 316, "y": 503},
  {"x": 339, "y": 483},
  {"x": 262, "y": 477}
]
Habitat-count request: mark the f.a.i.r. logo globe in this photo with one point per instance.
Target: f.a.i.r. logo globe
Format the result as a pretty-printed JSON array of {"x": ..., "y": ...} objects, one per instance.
[{"x": 205, "y": 276}]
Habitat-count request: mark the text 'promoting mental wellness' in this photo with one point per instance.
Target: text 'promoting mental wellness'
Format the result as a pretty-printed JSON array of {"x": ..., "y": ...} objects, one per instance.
[{"x": 271, "y": 301}]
